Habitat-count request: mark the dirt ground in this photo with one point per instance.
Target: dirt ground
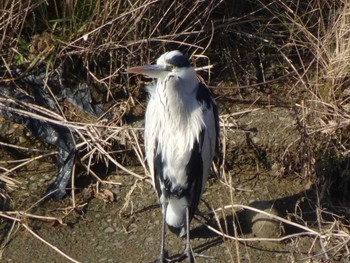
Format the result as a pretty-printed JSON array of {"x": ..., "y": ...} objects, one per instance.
[{"x": 128, "y": 228}]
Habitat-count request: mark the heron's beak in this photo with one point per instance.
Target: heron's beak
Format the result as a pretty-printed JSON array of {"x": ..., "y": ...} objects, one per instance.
[{"x": 153, "y": 71}]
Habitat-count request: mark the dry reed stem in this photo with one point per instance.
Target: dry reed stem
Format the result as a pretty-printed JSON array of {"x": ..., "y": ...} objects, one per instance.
[
  {"x": 22, "y": 148},
  {"x": 11, "y": 182},
  {"x": 20, "y": 216},
  {"x": 49, "y": 244},
  {"x": 26, "y": 162}
]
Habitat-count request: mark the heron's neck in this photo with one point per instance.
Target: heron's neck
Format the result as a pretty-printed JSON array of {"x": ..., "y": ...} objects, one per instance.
[
  {"x": 179, "y": 111},
  {"x": 177, "y": 105}
]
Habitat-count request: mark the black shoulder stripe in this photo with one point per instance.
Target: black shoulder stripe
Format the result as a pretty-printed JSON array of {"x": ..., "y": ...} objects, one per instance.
[
  {"x": 204, "y": 95},
  {"x": 158, "y": 167}
]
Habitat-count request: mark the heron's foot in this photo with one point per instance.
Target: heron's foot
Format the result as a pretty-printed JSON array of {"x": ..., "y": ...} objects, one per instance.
[
  {"x": 191, "y": 256},
  {"x": 178, "y": 258},
  {"x": 163, "y": 258},
  {"x": 187, "y": 254},
  {"x": 197, "y": 255}
]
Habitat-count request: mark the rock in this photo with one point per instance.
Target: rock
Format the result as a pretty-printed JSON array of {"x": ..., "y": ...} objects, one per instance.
[{"x": 262, "y": 225}]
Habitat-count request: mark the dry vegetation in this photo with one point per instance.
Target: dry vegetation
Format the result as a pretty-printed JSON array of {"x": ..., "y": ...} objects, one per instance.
[{"x": 296, "y": 50}]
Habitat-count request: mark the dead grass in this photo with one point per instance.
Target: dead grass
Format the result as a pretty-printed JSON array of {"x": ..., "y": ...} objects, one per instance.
[
  {"x": 325, "y": 69},
  {"x": 256, "y": 45}
]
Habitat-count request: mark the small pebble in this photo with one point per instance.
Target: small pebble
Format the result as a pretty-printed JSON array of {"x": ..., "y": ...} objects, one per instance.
[
  {"x": 109, "y": 230},
  {"x": 99, "y": 247}
]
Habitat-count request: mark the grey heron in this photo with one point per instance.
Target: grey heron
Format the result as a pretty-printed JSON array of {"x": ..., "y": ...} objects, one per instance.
[{"x": 181, "y": 138}]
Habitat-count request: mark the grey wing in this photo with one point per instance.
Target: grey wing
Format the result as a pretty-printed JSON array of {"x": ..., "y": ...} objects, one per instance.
[
  {"x": 211, "y": 126},
  {"x": 209, "y": 145}
]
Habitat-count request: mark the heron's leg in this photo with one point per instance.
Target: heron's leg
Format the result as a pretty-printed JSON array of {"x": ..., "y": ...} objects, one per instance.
[
  {"x": 162, "y": 246},
  {"x": 162, "y": 257},
  {"x": 187, "y": 253},
  {"x": 188, "y": 249}
]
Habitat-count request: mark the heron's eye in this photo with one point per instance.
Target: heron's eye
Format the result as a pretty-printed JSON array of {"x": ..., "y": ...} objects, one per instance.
[{"x": 171, "y": 67}]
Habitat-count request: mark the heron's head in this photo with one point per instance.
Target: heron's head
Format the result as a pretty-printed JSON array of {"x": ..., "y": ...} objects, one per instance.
[{"x": 173, "y": 63}]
